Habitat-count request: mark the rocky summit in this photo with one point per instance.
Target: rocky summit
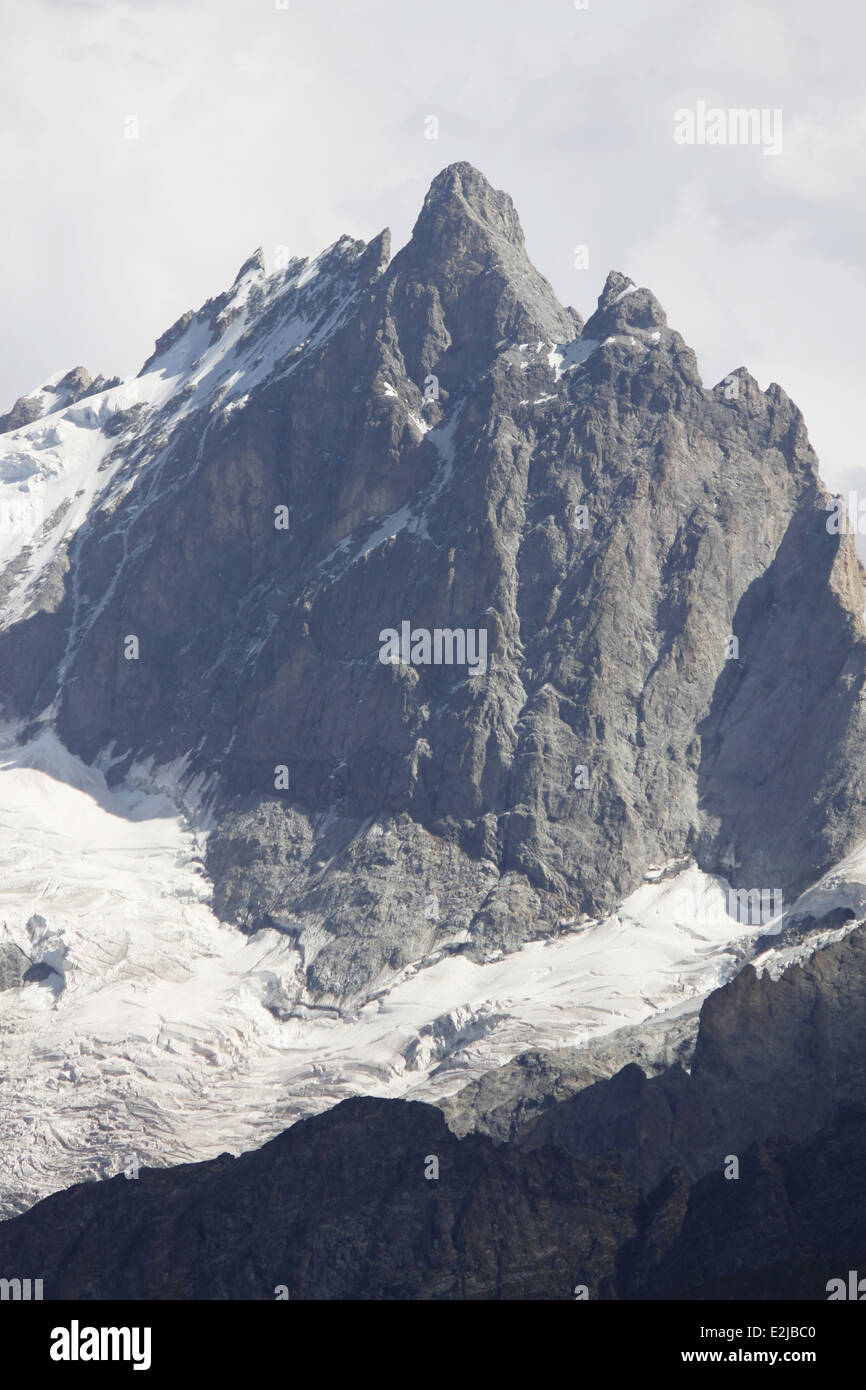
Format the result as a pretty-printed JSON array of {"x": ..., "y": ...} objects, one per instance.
[{"x": 431, "y": 451}]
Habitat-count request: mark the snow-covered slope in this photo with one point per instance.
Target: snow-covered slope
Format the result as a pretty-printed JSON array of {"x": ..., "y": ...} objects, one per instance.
[
  {"x": 58, "y": 470},
  {"x": 149, "y": 1033}
]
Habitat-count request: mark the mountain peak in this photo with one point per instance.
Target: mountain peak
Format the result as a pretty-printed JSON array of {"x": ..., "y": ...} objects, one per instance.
[
  {"x": 624, "y": 306},
  {"x": 461, "y": 191},
  {"x": 616, "y": 286},
  {"x": 54, "y": 394},
  {"x": 467, "y": 261},
  {"x": 253, "y": 265}
]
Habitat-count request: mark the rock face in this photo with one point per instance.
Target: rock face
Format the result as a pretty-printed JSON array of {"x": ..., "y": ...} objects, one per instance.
[
  {"x": 790, "y": 1225},
  {"x": 675, "y": 659},
  {"x": 772, "y": 1057},
  {"x": 14, "y": 965},
  {"x": 507, "y": 1100}
]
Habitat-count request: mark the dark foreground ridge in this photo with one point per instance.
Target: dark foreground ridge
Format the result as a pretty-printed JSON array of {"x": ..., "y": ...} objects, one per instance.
[{"x": 378, "y": 1199}]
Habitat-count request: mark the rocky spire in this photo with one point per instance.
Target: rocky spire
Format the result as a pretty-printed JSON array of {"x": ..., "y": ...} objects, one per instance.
[
  {"x": 464, "y": 282},
  {"x": 622, "y": 306},
  {"x": 460, "y": 194}
]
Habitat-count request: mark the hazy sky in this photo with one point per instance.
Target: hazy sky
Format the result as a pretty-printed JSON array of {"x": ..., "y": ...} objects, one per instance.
[{"x": 269, "y": 126}]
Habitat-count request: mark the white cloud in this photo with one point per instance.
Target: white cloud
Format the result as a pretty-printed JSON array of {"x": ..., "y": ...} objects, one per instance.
[{"x": 266, "y": 126}]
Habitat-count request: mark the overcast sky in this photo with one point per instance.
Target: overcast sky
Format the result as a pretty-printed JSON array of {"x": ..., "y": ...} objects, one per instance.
[{"x": 259, "y": 125}]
